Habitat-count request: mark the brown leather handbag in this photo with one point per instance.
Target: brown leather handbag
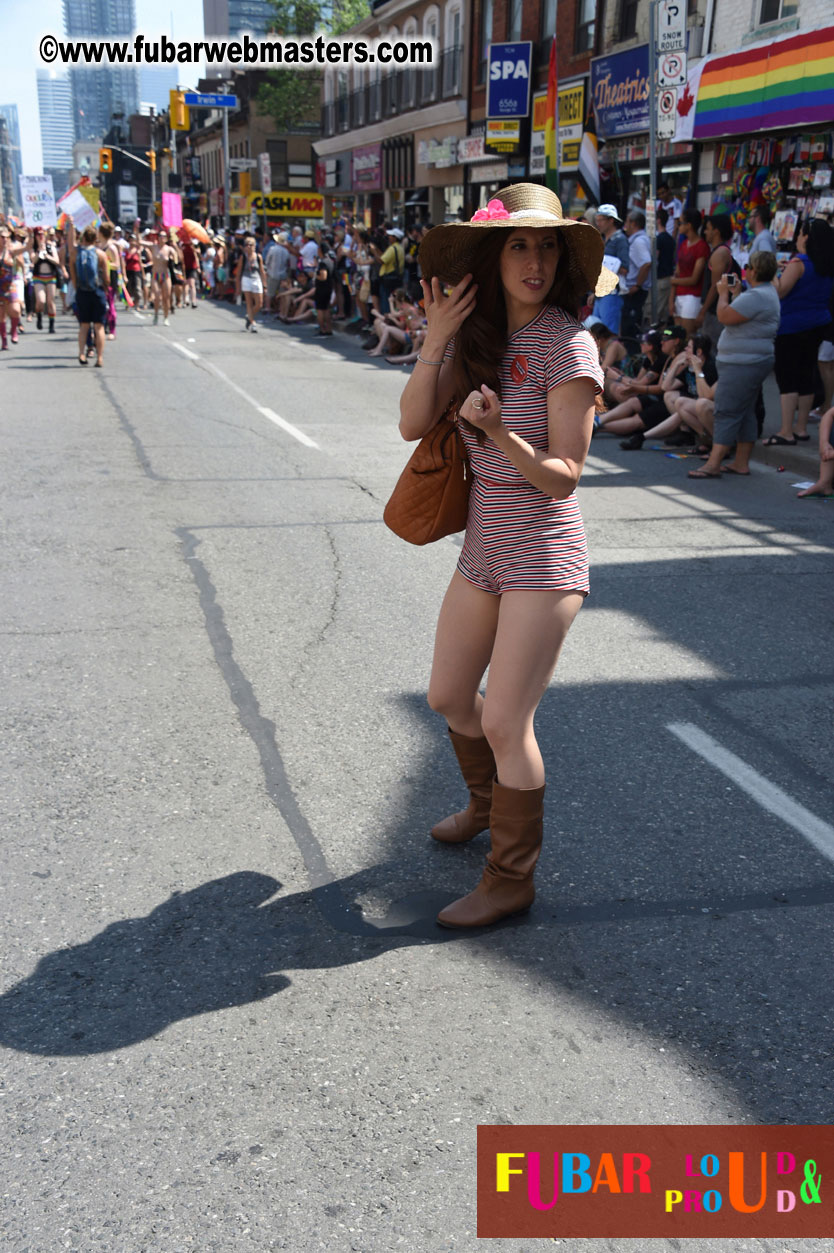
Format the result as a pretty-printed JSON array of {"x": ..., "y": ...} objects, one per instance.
[{"x": 431, "y": 498}]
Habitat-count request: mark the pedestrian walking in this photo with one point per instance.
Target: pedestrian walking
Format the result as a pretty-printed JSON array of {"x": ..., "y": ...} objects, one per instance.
[
  {"x": 250, "y": 280},
  {"x": 90, "y": 272},
  {"x": 506, "y": 346}
]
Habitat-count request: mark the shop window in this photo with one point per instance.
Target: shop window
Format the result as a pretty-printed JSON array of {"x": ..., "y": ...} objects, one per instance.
[
  {"x": 586, "y": 11},
  {"x": 277, "y": 149},
  {"x": 628, "y": 19},
  {"x": 514, "y": 21},
  {"x": 548, "y": 14},
  {"x": 773, "y": 10}
]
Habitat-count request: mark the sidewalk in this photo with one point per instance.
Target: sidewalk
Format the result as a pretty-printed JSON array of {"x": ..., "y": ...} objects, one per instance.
[{"x": 801, "y": 459}]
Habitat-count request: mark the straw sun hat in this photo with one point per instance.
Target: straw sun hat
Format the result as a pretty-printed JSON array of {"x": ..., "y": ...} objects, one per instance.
[{"x": 447, "y": 251}]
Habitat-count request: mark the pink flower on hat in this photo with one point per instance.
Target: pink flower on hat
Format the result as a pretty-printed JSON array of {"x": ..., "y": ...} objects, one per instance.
[{"x": 493, "y": 212}]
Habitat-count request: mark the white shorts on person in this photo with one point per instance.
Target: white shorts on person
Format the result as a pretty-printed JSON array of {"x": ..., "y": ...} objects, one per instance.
[
  {"x": 253, "y": 285},
  {"x": 687, "y": 307}
]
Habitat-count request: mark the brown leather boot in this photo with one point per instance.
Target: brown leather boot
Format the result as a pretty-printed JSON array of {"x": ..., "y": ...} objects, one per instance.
[
  {"x": 506, "y": 886},
  {"x": 477, "y": 765}
]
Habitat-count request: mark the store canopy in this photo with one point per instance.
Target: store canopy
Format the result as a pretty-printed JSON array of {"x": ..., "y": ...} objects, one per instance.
[{"x": 788, "y": 83}]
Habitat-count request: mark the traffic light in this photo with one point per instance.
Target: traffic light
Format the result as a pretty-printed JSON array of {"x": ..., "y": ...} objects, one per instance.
[
  {"x": 151, "y": 155},
  {"x": 105, "y": 161},
  {"x": 178, "y": 112}
]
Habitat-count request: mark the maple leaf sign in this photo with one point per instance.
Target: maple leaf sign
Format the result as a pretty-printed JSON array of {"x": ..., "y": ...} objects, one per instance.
[{"x": 685, "y": 101}]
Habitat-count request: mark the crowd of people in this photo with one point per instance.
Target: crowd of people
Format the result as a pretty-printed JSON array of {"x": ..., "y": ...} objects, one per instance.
[
  {"x": 692, "y": 375},
  {"x": 695, "y": 376}
]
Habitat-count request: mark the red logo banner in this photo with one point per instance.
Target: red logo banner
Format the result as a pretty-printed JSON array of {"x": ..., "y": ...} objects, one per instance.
[{"x": 649, "y": 1182}]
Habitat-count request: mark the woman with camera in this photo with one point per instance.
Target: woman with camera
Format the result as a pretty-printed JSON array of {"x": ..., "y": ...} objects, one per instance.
[{"x": 744, "y": 360}]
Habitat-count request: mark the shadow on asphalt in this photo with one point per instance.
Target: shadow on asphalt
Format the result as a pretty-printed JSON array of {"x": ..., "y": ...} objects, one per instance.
[{"x": 667, "y": 899}]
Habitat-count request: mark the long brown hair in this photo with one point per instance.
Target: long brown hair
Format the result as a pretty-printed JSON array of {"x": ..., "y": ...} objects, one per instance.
[{"x": 482, "y": 339}]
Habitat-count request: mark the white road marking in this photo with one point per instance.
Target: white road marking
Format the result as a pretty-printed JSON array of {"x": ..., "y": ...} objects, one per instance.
[
  {"x": 765, "y": 793},
  {"x": 186, "y": 352},
  {"x": 266, "y": 413},
  {"x": 288, "y": 427}
]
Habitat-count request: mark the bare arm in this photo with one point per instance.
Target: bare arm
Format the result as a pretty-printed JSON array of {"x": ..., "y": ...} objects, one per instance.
[
  {"x": 789, "y": 277},
  {"x": 726, "y": 314},
  {"x": 430, "y": 387},
  {"x": 570, "y": 418}
]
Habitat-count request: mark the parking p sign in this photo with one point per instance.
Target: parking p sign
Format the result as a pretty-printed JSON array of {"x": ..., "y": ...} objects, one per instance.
[{"x": 508, "y": 77}]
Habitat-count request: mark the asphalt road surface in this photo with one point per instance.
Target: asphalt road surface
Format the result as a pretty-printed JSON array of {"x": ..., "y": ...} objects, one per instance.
[{"x": 228, "y": 1020}]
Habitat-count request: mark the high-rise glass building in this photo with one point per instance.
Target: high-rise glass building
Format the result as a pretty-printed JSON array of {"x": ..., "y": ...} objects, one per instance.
[
  {"x": 11, "y": 166},
  {"x": 57, "y": 137},
  {"x": 105, "y": 90},
  {"x": 230, "y": 17}
]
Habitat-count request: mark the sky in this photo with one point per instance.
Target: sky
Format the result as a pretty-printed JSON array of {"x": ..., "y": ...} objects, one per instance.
[{"x": 19, "y": 62}]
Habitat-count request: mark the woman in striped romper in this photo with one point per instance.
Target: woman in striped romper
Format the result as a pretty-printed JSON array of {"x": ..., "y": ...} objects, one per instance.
[{"x": 506, "y": 345}]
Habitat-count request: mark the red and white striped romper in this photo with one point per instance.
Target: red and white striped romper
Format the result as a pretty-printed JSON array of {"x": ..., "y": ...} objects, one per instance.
[{"x": 518, "y": 537}]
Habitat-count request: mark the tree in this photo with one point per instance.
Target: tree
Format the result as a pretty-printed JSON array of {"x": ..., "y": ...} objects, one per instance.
[{"x": 291, "y": 96}]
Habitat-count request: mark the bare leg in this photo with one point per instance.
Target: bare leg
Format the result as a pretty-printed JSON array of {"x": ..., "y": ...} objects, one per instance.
[
  {"x": 463, "y": 644},
  {"x": 787, "y": 401},
  {"x": 623, "y": 426},
  {"x": 626, "y": 410},
  {"x": 532, "y": 626},
  {"x": 824, "y": 485},
  {"x": 99, "y": 334},
  {"x": 803, "y": 409},
  {"x": 826, "y": 369}
]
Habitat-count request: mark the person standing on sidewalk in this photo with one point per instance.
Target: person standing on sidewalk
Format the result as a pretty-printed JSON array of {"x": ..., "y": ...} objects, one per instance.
[
  {"x": 718, "y": 230},
  {"x": 507, "y": 348},
  {"x": 804, "y": 287},
  {"x": 744, "y": 359},
  {"x": 609, "y": 309},
  {"x": 688, "y": 278},
  {"x": 638, "y": 275}
]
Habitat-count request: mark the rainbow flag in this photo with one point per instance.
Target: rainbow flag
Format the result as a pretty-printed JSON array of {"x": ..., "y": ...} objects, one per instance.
[
  {"x": 789, "y": 83},
  {"x": 551, "y": 124}
]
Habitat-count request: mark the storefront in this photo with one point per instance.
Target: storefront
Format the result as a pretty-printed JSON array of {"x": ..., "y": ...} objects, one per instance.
[
  {"x": 620, "y": 93},
  {"x": 572, "y": 98},
  {"x": 366, "y": 181},
  {"x": 333, "y": 181},
  {"x": 438, "y": 169},
  {"x": 765, "y": 122}
]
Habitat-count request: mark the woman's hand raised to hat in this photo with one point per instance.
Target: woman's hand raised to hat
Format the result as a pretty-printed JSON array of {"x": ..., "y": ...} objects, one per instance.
[
  {"x": 482, "y": 409},
  {"x": 446, "y": 314}
]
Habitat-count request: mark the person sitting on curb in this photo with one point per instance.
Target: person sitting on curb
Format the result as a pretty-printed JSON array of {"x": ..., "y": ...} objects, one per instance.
[
  {"x": 683, "y": 408},
  {"x": 645, "y": 406}
]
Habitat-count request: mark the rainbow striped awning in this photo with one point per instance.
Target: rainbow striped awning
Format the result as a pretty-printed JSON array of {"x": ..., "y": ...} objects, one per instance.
[{"x": 789, "y": 83}]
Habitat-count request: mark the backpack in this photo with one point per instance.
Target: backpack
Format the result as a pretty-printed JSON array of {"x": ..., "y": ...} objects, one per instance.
[{"x": 86, "y": 269}]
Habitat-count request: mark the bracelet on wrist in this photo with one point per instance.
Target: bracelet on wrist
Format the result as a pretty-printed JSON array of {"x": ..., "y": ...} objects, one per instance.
[{"x": 423, "y": 361}]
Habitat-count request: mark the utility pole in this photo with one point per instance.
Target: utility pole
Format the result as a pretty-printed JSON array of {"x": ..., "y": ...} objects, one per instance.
[
  {"x": 653, "y": 146},
  {"x": 153, "y": 168},
  {"x": 226, "y": 179}
]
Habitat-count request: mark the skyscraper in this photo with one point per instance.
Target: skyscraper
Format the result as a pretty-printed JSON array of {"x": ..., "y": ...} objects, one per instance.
[
  {"x": 100, "y": 92},
  {"x": 55, "y": 108},
  {"x": 11, "y": 155},
  {"x": 230, "y": 17},
  {"x": 10, "y": 163}
]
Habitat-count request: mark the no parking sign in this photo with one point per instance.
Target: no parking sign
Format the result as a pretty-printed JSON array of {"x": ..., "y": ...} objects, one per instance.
[{"x": 38, "y": 200}]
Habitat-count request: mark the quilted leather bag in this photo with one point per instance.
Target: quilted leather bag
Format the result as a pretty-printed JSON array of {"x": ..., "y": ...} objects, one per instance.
[{"x": 431, "y": 498}]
